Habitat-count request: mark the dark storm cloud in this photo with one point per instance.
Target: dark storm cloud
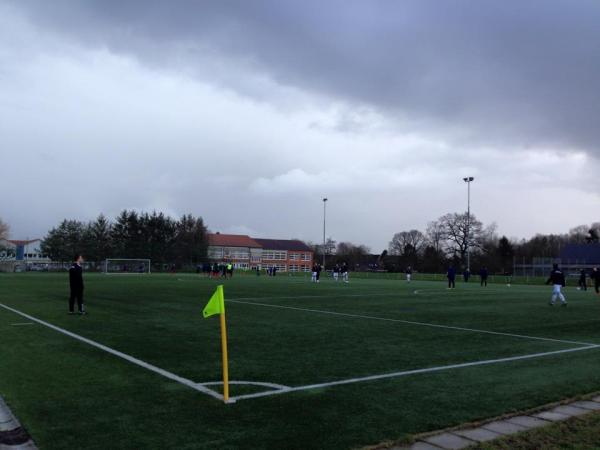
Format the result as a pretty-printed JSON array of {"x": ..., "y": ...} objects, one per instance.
[{"x": 495, "y": 72}]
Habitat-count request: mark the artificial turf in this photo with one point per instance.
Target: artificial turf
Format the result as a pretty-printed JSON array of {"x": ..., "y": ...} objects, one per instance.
[{"x": 71, "y": 395}]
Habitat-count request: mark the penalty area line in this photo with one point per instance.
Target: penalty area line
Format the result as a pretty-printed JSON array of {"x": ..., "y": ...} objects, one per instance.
[
  {"x": 411, "y": 372},
  {"x": 411, "y": 322},
  {"x": 131, "y": 359}
]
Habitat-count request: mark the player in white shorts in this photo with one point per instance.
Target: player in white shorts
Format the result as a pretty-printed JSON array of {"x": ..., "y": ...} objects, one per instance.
[
  {"x": 345, "y": 272},
  {"x": 557, "y": 278}
]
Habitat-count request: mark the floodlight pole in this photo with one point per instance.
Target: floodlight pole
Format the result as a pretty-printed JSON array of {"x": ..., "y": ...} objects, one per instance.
[
  {"x": 324, "y": 216},
  {"x": 468, "y": 180}
]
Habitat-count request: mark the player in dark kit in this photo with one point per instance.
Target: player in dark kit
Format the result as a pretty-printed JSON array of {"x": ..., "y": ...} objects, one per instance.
[
  {"x": 345, "y": 272},
  {"x": 467, "y": 275},
  {"x": 483, "y": 274},
  {"x": 451, "y": 275},
  {"x": 76, "y": 285},
  {"x": 557, "y": 278},
  {"x": 596, "y": 277},
  {"x": 582, "y": 280}
]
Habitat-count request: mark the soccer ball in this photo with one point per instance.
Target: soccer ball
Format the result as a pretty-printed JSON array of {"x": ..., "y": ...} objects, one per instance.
[
  {"x": 508, "y": 285},
  {"x": 416, "y": 292},
  {"x": 578, "y": 288}
]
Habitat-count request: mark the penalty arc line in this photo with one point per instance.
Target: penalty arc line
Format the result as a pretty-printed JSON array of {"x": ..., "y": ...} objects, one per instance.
[
  {"x": 131, "y": 359},
  {"x": 411, "y": 372},
  {"x": 411, "y": 322}
]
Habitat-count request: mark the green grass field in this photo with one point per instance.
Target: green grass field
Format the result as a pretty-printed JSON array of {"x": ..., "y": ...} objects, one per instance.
[{"x": 354, "y": 364}]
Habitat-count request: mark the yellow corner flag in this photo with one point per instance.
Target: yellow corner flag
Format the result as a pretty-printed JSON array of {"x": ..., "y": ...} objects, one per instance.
[{"x": 216, "y": 305}]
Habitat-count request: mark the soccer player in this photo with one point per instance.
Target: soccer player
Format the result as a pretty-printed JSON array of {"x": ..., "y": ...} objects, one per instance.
[
  {"x": 596, "y": 277},
  {"x": 336, "y": 272},
  {"x": 557, "y": 278},
  {"x": 408, "y": 273},
  {"x": 451, "y": 275},
  {"x": 319, "y": 269},
  {"x": 467, "y": 275},
  {"x": 313, "y": 278},
  {"x": 582, "y": 280},
  {"x": 345, "y": 272},
  {"x": 76, "y": 285},
  {"x": 483, "y": 275},
  {"x": 230, "y": 270}
]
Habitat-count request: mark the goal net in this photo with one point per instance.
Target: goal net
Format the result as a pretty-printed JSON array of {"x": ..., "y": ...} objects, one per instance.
[{"x": 123, "y": 266}]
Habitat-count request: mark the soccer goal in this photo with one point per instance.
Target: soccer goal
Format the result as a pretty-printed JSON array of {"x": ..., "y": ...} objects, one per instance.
[{"x": 124, "y": 266}]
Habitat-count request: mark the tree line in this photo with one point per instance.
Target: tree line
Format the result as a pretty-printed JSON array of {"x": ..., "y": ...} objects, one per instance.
[
  {"x": 445, "y": 242},
  {"x": 132, "y": 234}
]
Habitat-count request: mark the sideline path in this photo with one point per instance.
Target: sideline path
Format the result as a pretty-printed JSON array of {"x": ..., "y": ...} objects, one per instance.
[
  {"x": 466, "y": 437},
  {"x": 12, "y": 435}
]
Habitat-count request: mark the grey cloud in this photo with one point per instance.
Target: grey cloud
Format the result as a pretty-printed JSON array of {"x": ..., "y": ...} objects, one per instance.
[{"x": 493, "y": 72}]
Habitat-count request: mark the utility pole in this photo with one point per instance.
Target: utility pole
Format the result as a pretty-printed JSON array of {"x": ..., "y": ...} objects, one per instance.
[
  {"x": 324, "y": 217},
  {"x": 468, "y": 180}
]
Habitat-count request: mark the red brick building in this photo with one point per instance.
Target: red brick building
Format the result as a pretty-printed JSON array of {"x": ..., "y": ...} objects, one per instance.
[{"x": 245, "y": 252}]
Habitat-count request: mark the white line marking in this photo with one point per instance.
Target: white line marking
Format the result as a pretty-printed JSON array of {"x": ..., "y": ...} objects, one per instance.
[
  {"x": 251, "y": 383},
  {"x": 412, "y": 372},
  {"x": 21, "y": 324},
  {"x": 129, "y": 358},
  {"x": 291, "y": 297},
  {"x": 410, "y": 322}
]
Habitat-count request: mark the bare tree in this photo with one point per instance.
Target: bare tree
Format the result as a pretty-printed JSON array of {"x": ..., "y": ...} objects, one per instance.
[
  {"x": 579, "y": 234},
  {"x": 4, "y": 230},
  {"x": 435, "y": 235},
  {"x": 407, "y": 242},
  {"x": 460, "y": 233},
  {"x": 348, "y": 248},
  {"x": 593, "y": 233}
]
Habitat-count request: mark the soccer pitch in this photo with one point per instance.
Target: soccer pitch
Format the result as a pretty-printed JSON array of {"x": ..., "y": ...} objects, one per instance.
[{"x": 327, "y": 366}]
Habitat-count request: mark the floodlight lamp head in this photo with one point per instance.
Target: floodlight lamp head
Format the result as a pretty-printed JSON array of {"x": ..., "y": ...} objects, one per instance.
[
  {"x": 468, "y": 179},
  {"x": 325, "y": 199}
]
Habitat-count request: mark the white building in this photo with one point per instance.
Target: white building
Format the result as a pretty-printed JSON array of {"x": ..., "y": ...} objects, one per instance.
[{"x": 22, "y": 254}]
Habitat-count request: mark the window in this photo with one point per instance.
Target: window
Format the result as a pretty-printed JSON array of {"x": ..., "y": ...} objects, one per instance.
[
  {"x": 294, "y": 257},
  {"x": 306, "y": 257},
  {"x": 306, "y": 269},
  {"x": 274, "y": 255},
  {"x": 293, "y": 268},
  {"x": 215, "y": 252}
]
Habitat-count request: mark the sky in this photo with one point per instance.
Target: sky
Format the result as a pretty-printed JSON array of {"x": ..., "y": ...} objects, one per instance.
[{"x": 249, "y": 113}]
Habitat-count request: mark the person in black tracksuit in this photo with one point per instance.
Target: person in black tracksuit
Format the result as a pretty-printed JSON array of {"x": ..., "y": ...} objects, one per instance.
[
  {"x": 596, "y": 277},
  {"x": 451, "y": 275},
  {"x": 557, "y": 279},
  {"x": 483, "y": 274},
  {"x": 583, "y": 280},
  {"x": 76, "y": 285}
]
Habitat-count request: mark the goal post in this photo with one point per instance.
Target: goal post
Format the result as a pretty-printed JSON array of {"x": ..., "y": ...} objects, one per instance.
[{"x": 126, "y": 266}]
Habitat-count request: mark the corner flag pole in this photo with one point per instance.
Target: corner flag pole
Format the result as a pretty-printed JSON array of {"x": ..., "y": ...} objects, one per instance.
[
  {"x": 224, "y": 352},
  {"x": 216, "y": 305}
]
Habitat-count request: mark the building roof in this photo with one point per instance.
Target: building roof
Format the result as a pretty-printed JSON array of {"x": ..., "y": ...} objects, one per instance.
[
  {"x": 284, "y": 244},
  {"x": 580, "y": 253},
  {"x": 232, "y": 240},
  {"x": 22, "y": 242}
]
